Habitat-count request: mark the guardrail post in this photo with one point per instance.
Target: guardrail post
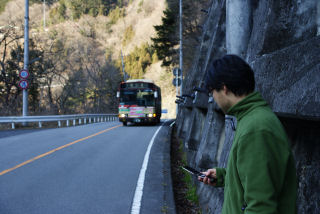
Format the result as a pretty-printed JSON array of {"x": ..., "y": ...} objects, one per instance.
[{"x": 82, "y": 119}]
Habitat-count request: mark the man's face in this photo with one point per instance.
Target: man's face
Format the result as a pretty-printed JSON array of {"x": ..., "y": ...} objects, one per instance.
[{"x": 220, "y": 97}]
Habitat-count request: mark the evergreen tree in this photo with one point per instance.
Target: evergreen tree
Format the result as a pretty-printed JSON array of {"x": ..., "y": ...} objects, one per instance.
[{"x": 166, "y": 37}]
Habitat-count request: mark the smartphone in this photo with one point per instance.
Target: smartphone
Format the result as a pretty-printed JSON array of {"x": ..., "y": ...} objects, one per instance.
[{"x": 197, "y": 173}]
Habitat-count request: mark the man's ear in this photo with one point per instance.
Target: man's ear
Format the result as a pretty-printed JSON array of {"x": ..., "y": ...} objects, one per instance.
[{"x": 225, "y": 89}]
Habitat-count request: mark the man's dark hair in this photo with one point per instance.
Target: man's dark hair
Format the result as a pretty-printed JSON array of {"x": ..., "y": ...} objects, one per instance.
[{"x": 233, "y": 72}]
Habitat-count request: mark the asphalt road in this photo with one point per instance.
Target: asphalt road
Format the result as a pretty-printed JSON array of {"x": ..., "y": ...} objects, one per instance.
[{"x": 84, "y": 169}]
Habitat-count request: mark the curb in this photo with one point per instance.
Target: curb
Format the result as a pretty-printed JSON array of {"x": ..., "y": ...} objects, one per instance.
[{"x": 158, "y": 194}]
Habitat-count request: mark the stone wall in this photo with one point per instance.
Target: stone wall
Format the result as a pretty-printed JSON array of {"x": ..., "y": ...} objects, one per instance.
[{"x": 280, "y": 39}]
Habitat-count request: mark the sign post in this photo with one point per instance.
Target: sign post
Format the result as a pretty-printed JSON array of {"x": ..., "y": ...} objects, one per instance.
[
  {"x": 26, "y": 60},
  {"x": 180, "y": 49},
  {"x": 177, "y": 81}
]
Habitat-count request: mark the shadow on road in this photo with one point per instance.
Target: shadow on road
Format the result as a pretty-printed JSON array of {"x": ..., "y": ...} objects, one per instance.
[{"x": 10, "y": 133}]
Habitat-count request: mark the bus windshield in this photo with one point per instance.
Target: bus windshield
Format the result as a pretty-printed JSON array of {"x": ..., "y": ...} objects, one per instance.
[{"x": 140, "y": 97}]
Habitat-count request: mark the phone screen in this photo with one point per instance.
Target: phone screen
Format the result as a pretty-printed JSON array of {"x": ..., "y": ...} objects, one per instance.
[
  {"x": 191, "y": 170},
  {"x": 197, "y": 173}
]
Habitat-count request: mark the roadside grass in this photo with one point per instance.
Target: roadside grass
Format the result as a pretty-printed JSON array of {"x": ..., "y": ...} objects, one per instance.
[
  {"x": 186, "y": 198},
  {"x": 191, "y": 193}
]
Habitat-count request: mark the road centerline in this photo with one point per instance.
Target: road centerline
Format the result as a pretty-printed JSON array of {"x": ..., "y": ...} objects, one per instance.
[{"x": 54, "y": 150}]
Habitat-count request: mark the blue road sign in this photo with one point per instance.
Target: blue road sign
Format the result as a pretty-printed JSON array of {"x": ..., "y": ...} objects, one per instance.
[
  {"x": 24, "y": 74},
  {"x": 164, "y": 111},
  {"x": 23, "y": 84}
]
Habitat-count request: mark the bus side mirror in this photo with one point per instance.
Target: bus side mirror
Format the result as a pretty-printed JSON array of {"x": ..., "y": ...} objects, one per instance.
[
  {"x": 118, "y": 94},
  {"x": 155, "y": 94}
]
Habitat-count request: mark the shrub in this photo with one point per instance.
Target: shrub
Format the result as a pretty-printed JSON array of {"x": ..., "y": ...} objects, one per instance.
[
  {"x": 128, "y": 35},
  {"x": 138, "y": 60},
  {"x": 115, "y": 15},
  {"x": 3, "y": 4}
]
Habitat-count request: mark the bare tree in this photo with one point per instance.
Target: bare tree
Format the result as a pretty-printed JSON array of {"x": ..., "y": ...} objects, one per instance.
[{"x": 10, "y": 62}]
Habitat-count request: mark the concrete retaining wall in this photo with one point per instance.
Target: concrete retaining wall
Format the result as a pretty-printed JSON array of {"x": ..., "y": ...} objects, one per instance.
[{"x": 280, "y": 39}]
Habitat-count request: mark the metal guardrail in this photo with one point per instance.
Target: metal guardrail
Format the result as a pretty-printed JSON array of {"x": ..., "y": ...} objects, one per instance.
[{"x": 81, "y": 118}]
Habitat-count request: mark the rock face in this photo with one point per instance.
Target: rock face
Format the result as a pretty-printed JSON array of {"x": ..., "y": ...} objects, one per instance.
[{"x": 280, "y": 39}]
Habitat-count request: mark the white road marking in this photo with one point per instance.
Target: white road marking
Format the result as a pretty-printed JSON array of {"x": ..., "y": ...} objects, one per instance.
[{"x": 139, "y": 188}]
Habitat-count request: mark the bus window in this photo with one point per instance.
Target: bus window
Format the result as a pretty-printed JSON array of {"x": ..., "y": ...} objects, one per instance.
[
  {"x": 128, "y": 97},
  {"x": 137, "y": 97}
]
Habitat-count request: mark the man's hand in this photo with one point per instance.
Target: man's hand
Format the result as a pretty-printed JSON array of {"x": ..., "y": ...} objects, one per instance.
[{"x": 209, "y": 173}]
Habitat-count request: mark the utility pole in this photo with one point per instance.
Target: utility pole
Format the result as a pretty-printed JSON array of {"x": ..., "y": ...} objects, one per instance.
[
  {"x": 44, "y": 15},
  {"x": 181, "y": 54},
  {"x": 26, "y": 57},
  {"x": 124, "y": 73}
]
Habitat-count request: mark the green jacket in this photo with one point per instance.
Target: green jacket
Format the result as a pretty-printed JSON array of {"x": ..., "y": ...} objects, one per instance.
[{"x": 260, "y": 177}]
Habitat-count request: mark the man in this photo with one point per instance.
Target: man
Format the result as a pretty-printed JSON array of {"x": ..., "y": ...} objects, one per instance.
[{"x": 260, "y": 176}]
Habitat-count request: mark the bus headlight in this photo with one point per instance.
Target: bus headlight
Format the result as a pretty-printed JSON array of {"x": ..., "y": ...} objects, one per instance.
[
  {"x": 150, "y": 115},
  {"x": 122, "y": 115}
]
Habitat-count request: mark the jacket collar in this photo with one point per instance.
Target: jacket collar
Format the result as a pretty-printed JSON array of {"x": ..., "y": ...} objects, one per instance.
[{"x": 250, "y": 102}]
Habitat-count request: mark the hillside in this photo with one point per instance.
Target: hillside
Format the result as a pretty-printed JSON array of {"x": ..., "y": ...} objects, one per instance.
[{"x": 80, "y": 58}]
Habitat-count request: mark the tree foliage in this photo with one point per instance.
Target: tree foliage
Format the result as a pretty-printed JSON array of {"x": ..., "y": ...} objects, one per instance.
[
  {"x": 77, "y": 8},
  {"x": 12, "y": 56},
  {"x": 64, "y": 77},
  {"x": 74, "y": 75},
  {"x": 41, "y": 1},
  {"x": 93, "y": 7},
  {"x": 166, "y": 40},
  {"x": 138, "y": 60},
  {"x": 3, "y": 4}
]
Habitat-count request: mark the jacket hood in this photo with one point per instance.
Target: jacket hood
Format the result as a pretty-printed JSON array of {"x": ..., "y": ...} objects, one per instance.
[{"x": 246, "y": 105}]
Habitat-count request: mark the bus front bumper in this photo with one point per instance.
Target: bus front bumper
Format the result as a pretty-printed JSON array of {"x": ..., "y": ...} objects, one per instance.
[{"x": 138, "y": 120}]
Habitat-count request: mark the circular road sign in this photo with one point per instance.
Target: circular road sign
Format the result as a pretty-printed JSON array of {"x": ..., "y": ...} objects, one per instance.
[
  {"x": 24, "y": 74},
  {"x": 177, "y": 72},
  {"x": 175, "y": 81},
  {"x": 23, "y": 84}
]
